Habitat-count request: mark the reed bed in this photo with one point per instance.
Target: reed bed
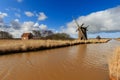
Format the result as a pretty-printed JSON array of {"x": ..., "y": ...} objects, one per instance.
[
  {"x": 16, "y": 46},
  {"x": 114, "y": 65},
  {"x": 118, "y": 39}
]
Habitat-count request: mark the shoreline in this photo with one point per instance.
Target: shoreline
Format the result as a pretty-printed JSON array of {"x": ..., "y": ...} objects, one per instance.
[{"x": 18, "y": 46}]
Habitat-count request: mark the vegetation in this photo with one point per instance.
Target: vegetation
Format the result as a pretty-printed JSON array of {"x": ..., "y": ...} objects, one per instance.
[
  {"x": 114, "y": 65},
  {"x": 14, "y": 46},
  {"x": 45, "y": 33},
  {"x": 5, "y": 35},
  {"x": 48, "y": 34},
  {"x": 117, "y": 39},
  {"x": 59, "y": 36},
  {"x": 98, "y": 37},
  {"x": 36, "y": 33}
]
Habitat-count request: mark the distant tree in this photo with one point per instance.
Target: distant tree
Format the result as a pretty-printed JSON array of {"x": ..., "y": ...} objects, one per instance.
[
  {"x": 36, "y": 33},
  {"x": 59, "y": 36},
  {"x": 5, "y": 35},
  {"x": 45, "y": 33},
  {"x": 98, "y": 37}
]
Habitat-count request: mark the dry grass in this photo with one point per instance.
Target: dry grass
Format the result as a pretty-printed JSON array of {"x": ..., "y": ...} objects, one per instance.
[
  {"x": 114, "y": 65},
  {"x": 13, "y": 46},
  {"x": 118, "y": 39}
]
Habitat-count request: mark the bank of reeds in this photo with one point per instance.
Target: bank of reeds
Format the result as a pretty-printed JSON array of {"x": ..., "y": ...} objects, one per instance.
[
  {"x": 114, "y": 65},
  {"x": 16, "y": 46},
  {"x": 118, "y": 39}
]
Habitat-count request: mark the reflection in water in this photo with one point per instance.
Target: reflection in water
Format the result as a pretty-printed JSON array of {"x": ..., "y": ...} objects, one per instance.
[
  {"x": 81, "y": 62},
  {"x": 75, "y": 51}
]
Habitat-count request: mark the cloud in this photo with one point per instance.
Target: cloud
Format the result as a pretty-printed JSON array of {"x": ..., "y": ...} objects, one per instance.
[
  {"x": 36, "y": 24},
  {"x": 101, "y": 21},
  {"x": 15, "y": 24},
  {"x": 27, "y": 26},
  {"x": 17, "y": 15},
  {"x": 15, "y": 9},
  {"x": 42, "y": 16},
  {"x": 1, "y": 22},
  {"x": 2, "y": 15},
  {"x": 16, "y": 28},
  {"x": 19, "y": 1},
  {"x": 29, "y": 14},
  {"x": 43, "y": 27}
]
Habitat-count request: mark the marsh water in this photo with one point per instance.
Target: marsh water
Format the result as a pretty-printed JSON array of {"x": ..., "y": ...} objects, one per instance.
[{"x": 80, "y": 62}]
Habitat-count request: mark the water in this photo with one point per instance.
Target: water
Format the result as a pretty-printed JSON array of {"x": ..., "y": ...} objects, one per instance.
[{"x": 81, "y": 62}]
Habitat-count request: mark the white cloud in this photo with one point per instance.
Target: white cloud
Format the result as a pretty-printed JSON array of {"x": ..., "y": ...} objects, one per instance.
[
  {"x": 36, "y": 24},
  {"x": 1, "y": 22},
  {"x": 29, "y": 14},
  {"x": 17, "y": 20},
  {"x": 19, "y": 0},
  {"x": 17, "y": 15},
  {"x": 15, "y": 9},
  {"x": 42, "y": 16},
  {"x": 101, "y": 21},
  {"x": 27, "y": 26},
  {"x": 2, "y": 15},
  {"x": 43, "y": 27},
  {"x": 16, "y": 28},
  {"x": 15, "y": 24}
]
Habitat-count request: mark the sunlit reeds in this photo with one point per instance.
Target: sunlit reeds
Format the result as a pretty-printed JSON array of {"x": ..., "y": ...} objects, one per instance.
[
  {"x": 114, "y": 65},
  {"x": 14, "y": 46}
]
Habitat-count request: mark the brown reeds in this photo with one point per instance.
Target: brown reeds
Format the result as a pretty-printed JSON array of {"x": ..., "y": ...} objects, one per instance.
[
  {"x": 15, "y": 46},
  {"x": 114, "y": 65}
]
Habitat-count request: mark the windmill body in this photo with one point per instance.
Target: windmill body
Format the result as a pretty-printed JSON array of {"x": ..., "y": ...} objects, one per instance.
[
  {"x": 82, "y": 31},
  {"x": 80, "y": 35}
]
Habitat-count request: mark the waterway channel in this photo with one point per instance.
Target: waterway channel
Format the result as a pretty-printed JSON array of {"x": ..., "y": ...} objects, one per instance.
[{"x": 80, "y": 62}]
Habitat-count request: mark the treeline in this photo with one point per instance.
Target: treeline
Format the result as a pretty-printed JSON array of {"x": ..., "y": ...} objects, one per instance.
[
  {"x": 48, "y": 34},
  {"x": 5, "y": 35},
  {"x": 39, "y": 34}
]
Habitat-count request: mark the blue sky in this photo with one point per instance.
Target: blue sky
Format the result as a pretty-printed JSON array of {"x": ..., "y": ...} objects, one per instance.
[{"x": 57, "y": 15}]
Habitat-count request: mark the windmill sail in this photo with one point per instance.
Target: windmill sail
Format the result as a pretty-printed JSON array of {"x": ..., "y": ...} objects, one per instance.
[{"x": 81, "y": 31}]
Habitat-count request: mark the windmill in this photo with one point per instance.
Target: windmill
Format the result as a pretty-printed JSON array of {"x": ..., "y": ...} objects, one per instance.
[{"x": 82, "y": 31}]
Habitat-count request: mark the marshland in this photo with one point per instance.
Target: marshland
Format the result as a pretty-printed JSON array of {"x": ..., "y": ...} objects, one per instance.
[
  {"x": 17, "y": 46},
  {"x": 57, "y": 56},
  {"x": 83, "y": 61},
  {"x": 114, "y": 64},
  {"x": 59, "y": 40}
]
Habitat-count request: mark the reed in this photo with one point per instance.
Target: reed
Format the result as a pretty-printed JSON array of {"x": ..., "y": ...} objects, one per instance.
[
  {"x": 114, "y": 65},
  {"x": 118, "y": 39},
  {"x": 15, "y": 46}
]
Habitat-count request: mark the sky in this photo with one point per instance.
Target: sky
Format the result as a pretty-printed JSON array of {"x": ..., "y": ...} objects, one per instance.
[{"x": 102, "y": 16}]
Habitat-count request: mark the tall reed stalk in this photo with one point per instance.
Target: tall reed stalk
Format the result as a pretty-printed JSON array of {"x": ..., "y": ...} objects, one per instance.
[{"x": 114, "y": 65}]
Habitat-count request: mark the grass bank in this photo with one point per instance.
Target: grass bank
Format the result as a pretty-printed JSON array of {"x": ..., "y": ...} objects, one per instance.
[
  {"x": 118, "y": 39},
  {"x": 114, "y": 65},
  {"x": 16, "y": 46}
]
